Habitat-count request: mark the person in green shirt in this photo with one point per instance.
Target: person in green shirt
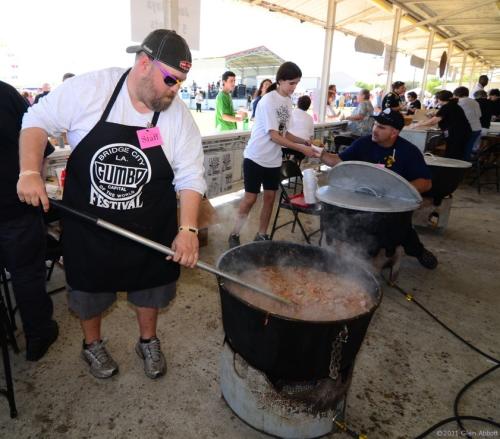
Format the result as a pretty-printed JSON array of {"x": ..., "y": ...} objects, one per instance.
[{"x": 225, "y": 116}]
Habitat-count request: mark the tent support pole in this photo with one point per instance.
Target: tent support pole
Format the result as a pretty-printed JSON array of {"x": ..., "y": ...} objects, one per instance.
[
  {"x": 327, "y": 58},
  {"x": 394, "y": 48},
  {"x": 430, "y": 42}
]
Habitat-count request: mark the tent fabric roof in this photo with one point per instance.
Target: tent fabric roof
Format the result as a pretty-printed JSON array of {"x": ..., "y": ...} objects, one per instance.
[
  {"x": 259, "y": 60},
  {"x": 472, "y": 25}
]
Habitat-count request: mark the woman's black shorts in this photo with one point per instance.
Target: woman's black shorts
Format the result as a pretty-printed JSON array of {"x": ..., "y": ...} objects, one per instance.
[{"x": 255, "y": 175}]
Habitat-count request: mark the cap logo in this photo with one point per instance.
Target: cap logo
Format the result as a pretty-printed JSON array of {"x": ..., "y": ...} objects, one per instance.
[
  {"x": 184, "y": 65},
  {"x": 147, "y": 48}
]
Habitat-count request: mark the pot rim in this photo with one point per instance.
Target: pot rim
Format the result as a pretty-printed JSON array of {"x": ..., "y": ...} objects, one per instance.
[{"x": 445, "y": 162}]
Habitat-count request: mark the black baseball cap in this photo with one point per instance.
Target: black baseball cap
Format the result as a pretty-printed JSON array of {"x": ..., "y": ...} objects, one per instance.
[
  {"x": 167, "y": 47},
  {"x": 390, "y": 117}
]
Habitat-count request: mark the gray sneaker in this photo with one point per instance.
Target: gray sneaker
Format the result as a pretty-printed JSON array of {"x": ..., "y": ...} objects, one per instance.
[
  {"x": 155, "y": 365},
  {"x": 101, "y": 363},
  {"x": 262, "y": 237},
  {"x": 234, "y": 240}
]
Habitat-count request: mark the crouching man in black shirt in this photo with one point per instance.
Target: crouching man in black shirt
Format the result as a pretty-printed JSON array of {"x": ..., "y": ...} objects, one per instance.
[{"x": 385, "y": 147}]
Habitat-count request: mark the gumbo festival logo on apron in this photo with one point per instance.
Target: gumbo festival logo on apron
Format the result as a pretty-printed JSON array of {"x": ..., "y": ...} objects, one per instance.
[{"x": 118, "y": 173}]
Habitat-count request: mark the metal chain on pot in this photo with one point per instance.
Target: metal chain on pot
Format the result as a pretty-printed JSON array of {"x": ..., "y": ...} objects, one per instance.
[{"x": 336, "y": 354}]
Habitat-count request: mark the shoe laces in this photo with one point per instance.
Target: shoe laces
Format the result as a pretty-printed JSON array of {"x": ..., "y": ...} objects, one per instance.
[
  {"x": 99, "y": 352},
  {"x": 153, "y": 350}
]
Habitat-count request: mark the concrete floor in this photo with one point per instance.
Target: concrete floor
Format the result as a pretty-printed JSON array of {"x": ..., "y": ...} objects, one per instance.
[{"x": 406, "y": 377}]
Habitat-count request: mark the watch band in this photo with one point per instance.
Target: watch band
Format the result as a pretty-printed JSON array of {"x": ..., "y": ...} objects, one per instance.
[{"x": 189, "y": 229}]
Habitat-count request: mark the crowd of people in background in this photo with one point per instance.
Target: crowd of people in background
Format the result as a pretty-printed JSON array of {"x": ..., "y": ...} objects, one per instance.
[
  {"x": 461, "y": 117},
  {"x": 480, "y": 107},
  {"x": 469, "y": 115},
  {"x": 32, "y": 98}
]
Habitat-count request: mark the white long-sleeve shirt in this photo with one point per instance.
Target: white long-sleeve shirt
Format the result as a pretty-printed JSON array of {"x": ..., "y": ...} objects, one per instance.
[
  {"x": 472, "y": 112},
  {"x": 301, "y": 124},
  {"x": 77, "y": 104}
]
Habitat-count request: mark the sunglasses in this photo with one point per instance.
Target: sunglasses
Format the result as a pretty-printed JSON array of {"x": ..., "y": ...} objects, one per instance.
[{"x": 169, "y": 79}]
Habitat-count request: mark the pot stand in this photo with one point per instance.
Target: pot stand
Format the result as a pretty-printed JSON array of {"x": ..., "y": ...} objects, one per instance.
[{"x": 253, "y": 398}]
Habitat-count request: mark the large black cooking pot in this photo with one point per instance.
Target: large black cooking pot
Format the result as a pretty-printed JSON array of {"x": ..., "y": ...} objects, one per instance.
[
  {"x": 367, "y": 206},
  {"x": 286, "y": 348},
  {"x": 367, "y": 231},
  {"x": 447, "y": 174}
]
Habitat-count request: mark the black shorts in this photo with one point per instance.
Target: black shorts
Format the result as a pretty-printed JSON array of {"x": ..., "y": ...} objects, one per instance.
[{"x": 255, "y": 175}]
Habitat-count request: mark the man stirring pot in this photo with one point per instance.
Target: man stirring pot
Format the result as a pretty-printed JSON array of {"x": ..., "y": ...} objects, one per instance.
[{"x": 134, "y": 145}]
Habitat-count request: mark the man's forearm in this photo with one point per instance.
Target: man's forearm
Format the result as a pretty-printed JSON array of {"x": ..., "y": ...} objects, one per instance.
[
  {"x": 422, "y": 185},
  {"x": 330, "y": 159},
  {"x": 189, "y": 204},
  {"x": 30, "y": 186},
  {"x": 426, "y": 123},
  {"x": 229, "y": 118},
  {"x": 32, "y": 143},
  {"x": 295, "y": 139}
]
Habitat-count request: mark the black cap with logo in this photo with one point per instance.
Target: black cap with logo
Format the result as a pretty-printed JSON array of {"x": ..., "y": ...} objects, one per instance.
[
  {"x": 390, "y": 117},
  {"x": 167, "y": 47}
]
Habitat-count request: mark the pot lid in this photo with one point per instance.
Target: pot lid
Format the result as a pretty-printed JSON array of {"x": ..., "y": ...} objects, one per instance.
[
  {"x": 368, "y": 187},
  {"x": 432, "y": 160}
]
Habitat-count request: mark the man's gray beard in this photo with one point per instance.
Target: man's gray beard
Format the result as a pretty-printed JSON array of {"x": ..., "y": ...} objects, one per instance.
[
  {"x": 154, "y": 103},
  {"x": 159, "y": 105}
]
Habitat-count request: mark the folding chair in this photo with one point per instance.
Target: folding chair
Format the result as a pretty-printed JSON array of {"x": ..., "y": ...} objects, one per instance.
[
  {"x": 291, "y": 154},
  {"x": 341, "y": 142},
  {"x": 484, "y": 160},
  {"x": 7, "y": 300},
  {"x": 54, "y": 249},
  {"x": 436, "y": 144},
  {"x": 294, "y": 202},
  {"x": 53, "y": 253},
  {"x": 7, "y": 336}
]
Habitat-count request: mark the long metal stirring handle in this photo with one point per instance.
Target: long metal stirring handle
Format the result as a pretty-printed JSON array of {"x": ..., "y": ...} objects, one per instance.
[
  {"x": 168, "y": 251},
  {"x": 163, "y": 249}
]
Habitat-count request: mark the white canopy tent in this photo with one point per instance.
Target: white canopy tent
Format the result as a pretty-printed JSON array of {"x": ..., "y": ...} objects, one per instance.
[{"x": 468, "y": 30}]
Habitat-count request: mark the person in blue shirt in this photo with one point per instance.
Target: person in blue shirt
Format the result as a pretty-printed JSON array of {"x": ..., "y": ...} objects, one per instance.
[
  {"x": 261, "y": 91},
  {"x": 384, "y": 146}
]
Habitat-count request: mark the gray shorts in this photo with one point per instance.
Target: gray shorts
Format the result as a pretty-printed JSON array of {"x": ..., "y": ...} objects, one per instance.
[{"x": 88, "y": 305}]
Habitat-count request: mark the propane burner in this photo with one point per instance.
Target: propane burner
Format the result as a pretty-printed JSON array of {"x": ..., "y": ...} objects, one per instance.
[{"x": 286, "y": 409}]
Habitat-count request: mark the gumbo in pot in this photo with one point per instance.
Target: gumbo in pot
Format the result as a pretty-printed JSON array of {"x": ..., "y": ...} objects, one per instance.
[{"x": 315, "y": 295}]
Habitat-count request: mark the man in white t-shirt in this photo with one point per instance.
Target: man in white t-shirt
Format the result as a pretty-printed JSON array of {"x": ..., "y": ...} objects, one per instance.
[
  {"x": 198, "y": 99},
  {"x": 481, "y": 83},
  {"x": 472, "y": 112},
  {"x": 135, "y": 146}
]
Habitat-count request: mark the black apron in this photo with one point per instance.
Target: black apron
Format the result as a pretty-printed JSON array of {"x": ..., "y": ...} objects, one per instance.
[{"x": 111, "y": 177}]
